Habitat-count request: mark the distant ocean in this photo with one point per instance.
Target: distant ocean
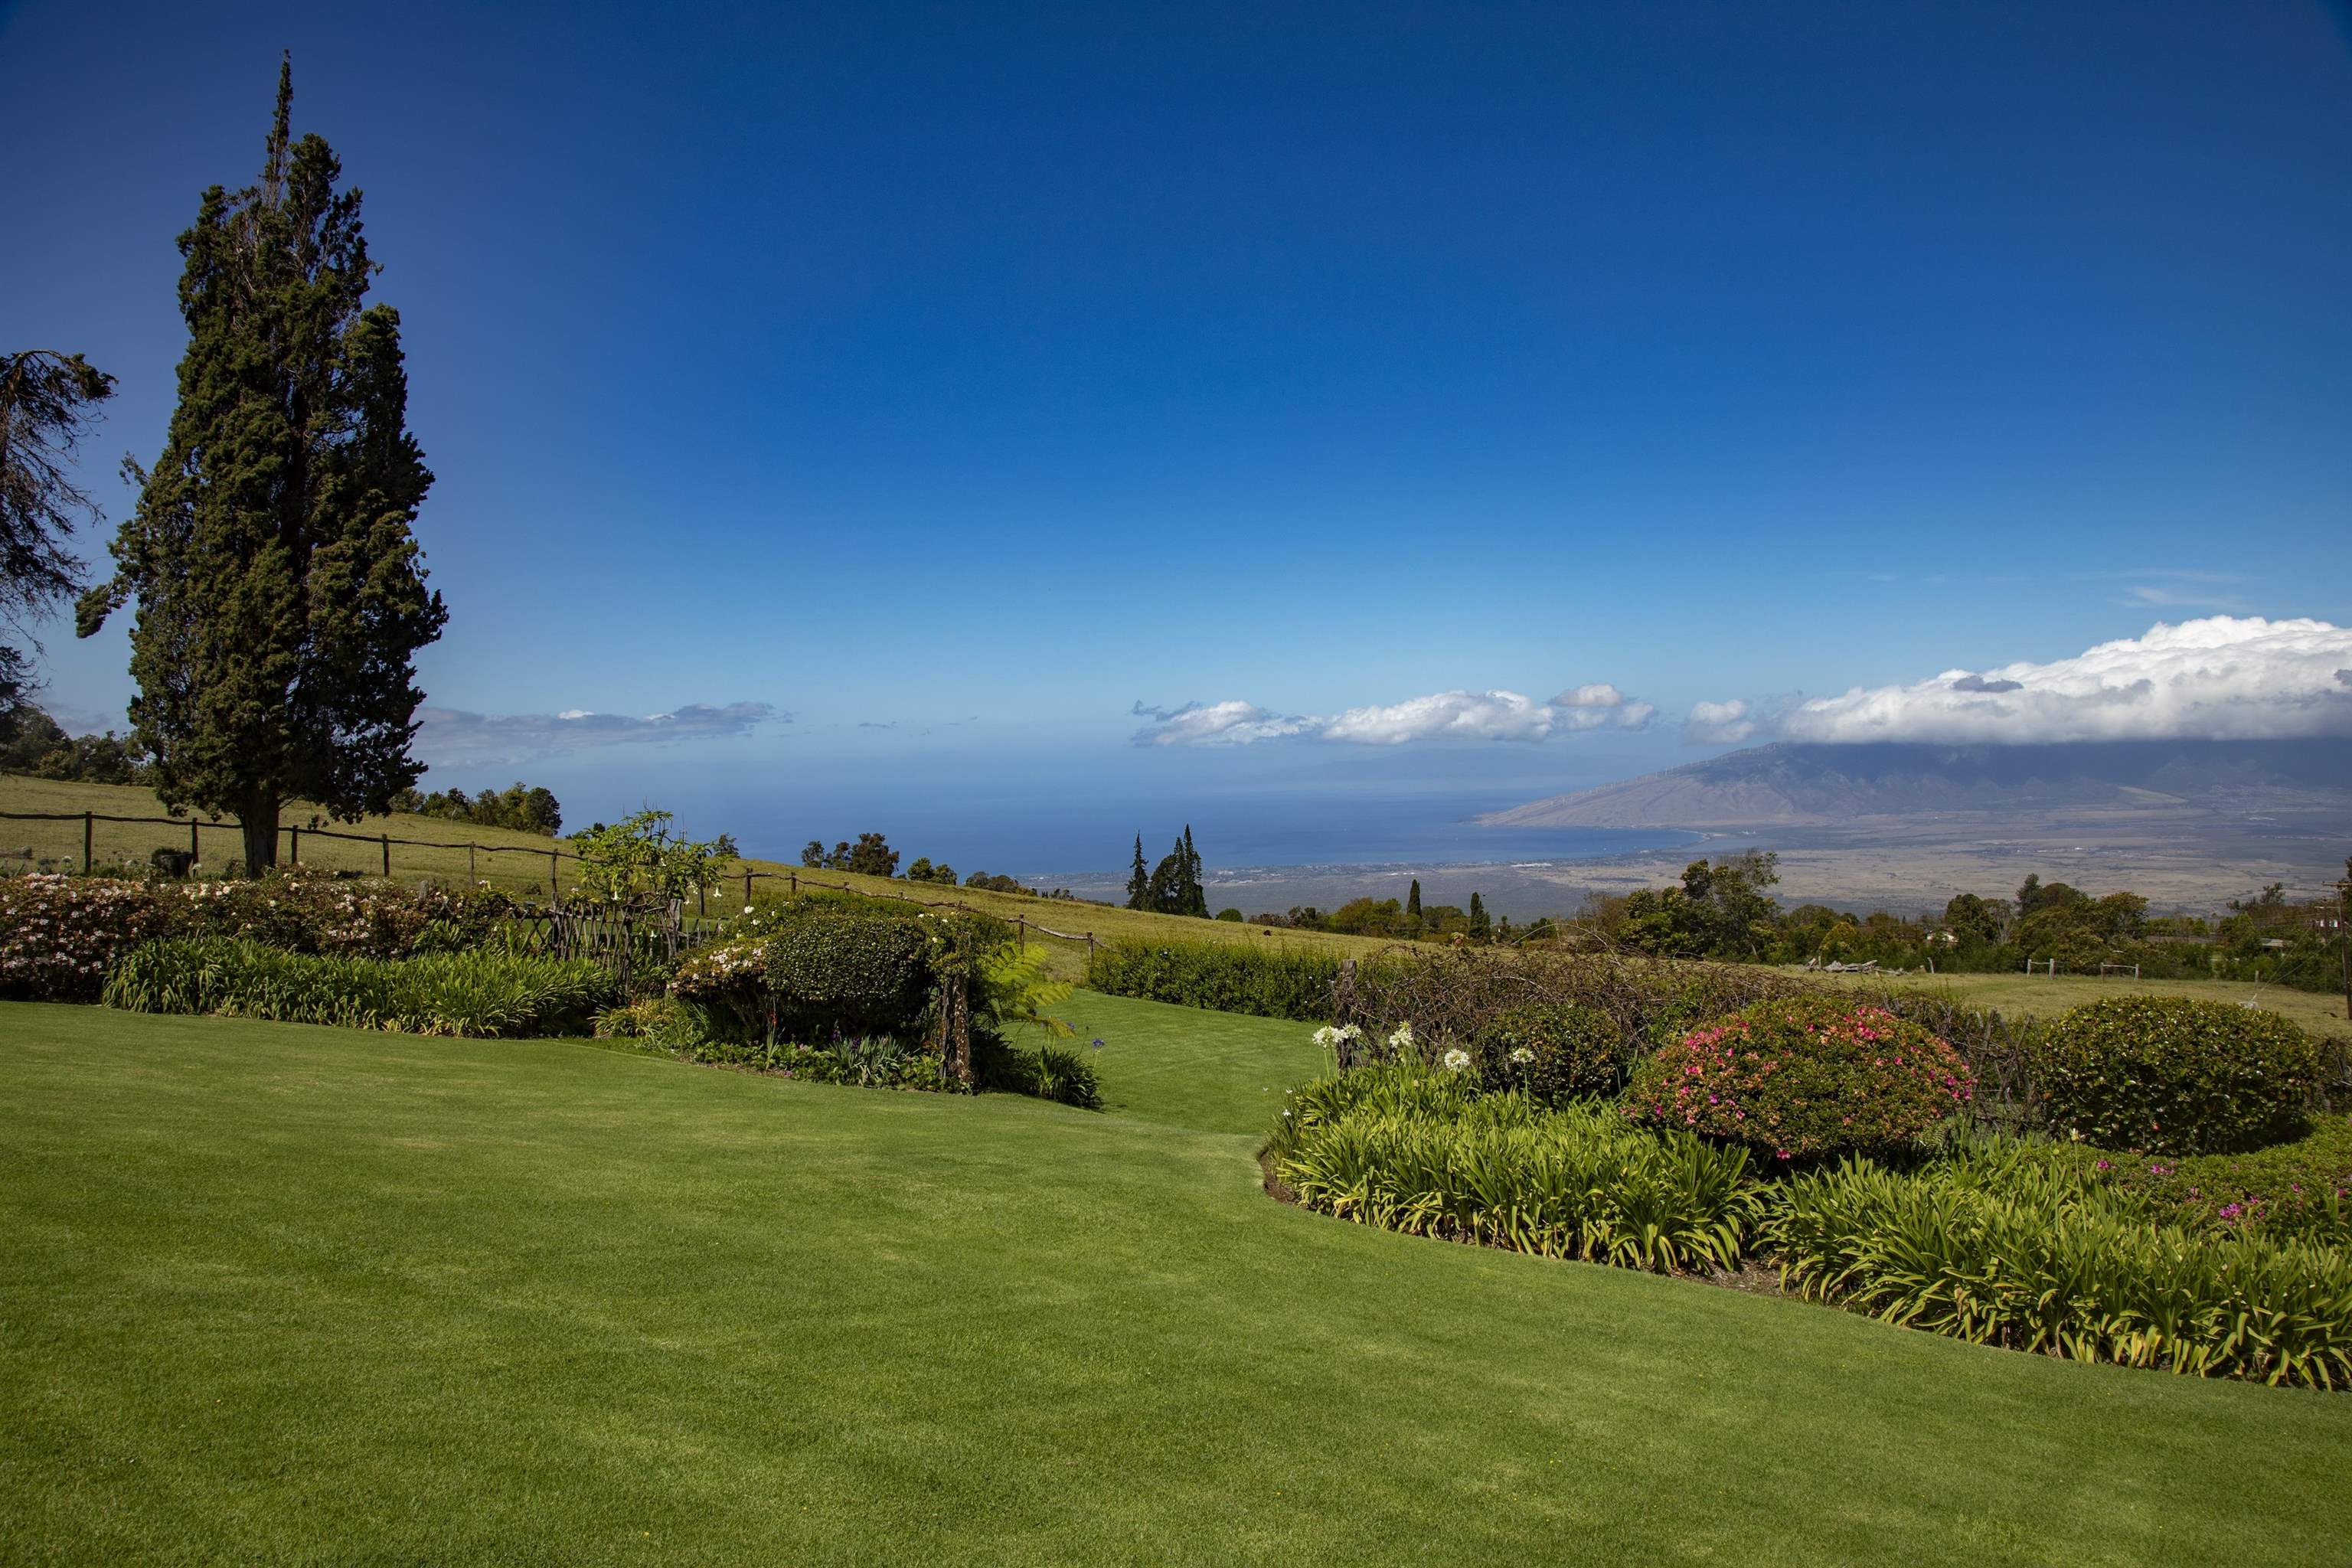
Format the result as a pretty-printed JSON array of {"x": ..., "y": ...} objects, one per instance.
[{"x": 1051, "y": 842}]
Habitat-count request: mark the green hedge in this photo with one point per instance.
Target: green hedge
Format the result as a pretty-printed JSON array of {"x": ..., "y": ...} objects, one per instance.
[
  {"x": 2170, "y": 1075},
  {"x": 483, "y": 994},
  {"x": 1554, "y": 1053},
  {"x": 1266, "y": 978}
]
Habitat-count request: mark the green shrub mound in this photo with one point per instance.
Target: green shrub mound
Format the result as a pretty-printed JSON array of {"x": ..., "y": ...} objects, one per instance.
[
  {"x": 1266, "y": 978},
  {"x": 1803, "y": 1077},
  {"x": 2168, "y": 1075},
  {"x": 1412, "y": 1149},
  {"x": 1999, "y": 1246},
  {"x": 1553, "y": 1053},
  {"x": 849, "y": 973},
  {"x": 473, "y": 993}
]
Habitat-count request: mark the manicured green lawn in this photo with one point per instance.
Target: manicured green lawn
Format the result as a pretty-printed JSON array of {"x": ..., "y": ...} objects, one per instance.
[{"x": 271, "y": 1293}]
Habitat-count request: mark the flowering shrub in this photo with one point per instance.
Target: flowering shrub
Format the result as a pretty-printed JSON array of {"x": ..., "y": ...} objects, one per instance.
[
  {"x": 1556, "y": 1053},
  {"x": 2170, "y": 1075},
  {"x": 59, "y": 935},
  {"x": 1802, "y": 1078}
]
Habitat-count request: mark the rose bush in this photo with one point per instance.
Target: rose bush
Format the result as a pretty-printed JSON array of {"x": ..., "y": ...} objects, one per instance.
[{"x": 1802, "y": 1078}]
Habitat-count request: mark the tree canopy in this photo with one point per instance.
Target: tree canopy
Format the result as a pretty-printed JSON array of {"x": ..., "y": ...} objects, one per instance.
[{"x": 280, "y": 591}]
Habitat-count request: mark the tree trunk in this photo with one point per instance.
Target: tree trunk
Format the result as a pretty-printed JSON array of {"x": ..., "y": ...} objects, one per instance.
[{"x": 260, "y": 833}]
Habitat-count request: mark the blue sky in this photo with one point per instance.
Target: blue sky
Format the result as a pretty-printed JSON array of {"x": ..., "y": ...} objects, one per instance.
[{"x": 955, "y": 378}]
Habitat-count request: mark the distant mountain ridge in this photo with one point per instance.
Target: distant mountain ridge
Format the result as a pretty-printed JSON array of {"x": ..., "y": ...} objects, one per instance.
[{"x": 1812, "y": 785}]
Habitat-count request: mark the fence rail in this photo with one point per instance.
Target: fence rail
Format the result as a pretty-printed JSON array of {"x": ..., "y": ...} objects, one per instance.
[{"x": 555, "y": 855}]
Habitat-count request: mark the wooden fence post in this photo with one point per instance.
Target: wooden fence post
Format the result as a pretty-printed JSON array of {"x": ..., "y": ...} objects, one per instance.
[
  {"x": 747, "y": 890},
  {"x": 293, "y": 846},
  {"x": 793, "y": 883},
  {"x": 193, "y": 855},
  {"x": 1021, "y": 932},
  {"x": 554, "y": 875},
  {"x": 89, "y": 838},
  {"x": 387, "y": 855},
  {"x": 470, "y": 877}
]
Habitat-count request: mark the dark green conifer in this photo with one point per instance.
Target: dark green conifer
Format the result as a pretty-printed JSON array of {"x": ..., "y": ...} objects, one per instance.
[
  {"x": 1481, "y": 928},
  {"x": 1138, "y": 880},
  {"x": 281, "y": 592}
]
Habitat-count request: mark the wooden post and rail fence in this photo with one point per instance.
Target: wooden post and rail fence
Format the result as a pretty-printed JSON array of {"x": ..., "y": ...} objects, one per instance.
[{"x": 383, "y": 842}]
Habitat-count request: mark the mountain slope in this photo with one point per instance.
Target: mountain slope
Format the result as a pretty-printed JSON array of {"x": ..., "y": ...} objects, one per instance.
[{"x": 1797, "y": 785}]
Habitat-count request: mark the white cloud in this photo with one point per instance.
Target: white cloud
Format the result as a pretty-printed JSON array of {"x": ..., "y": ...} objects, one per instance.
[
  {"x": 2222, "y": 678},
  {"x": 1212, "y": 724},
  {"x": 448, "y": 735},
  {"x": 1461, "y": 715},
  {"x": 1592, "y": 707},
  {"x": 1719, "y": 723},
  {"x": 1444, "y": 715}
]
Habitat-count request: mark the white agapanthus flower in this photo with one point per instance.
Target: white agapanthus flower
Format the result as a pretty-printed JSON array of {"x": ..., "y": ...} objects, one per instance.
[
  {"x": 1403, "y": 1040},
  {"x": 1456, "y": 1059},
  {"x": 1326, "y": 1036},
  {"x": 1523, "y": 1055}
]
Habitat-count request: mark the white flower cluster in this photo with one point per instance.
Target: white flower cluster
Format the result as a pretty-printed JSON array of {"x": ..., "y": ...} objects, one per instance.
[
  {"x": 1456, "y": 1059},
  {"x": 1523, "y": 1055},
  {"x": 1329, "y": 1038},
  {"x": 1401, "y": 1041}
]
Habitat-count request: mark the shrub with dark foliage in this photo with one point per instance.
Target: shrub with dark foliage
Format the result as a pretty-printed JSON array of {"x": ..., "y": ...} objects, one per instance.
[
  {"x": 1803, "y": 1077},
  {"x": 1555, "y": 1054},
  {"x": 852, "y": 973},
  {"x": 2172, "y": 1074}
]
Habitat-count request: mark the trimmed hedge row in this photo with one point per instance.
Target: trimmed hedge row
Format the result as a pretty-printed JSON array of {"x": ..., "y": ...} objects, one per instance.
[{"x": 1269, "y": 979}]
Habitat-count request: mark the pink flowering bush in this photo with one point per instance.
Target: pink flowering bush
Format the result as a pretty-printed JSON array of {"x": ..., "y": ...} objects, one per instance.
[{"x": 1802, "y": 1078}]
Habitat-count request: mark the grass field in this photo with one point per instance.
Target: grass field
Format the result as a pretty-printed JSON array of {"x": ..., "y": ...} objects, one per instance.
[
  {"x": 522, "y": 866},
  {"x": 2317, "y": 1012},
  {"x": 273, "y": 1294}
]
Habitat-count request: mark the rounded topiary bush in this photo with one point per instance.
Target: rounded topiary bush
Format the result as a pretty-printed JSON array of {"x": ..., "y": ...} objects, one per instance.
[
  {"x": 1556, "y": 1053},
  {"x": 2171, "y": 1075},
  {"x": 850, "y": 975},
  {"x": 1802, "y": 1078}
]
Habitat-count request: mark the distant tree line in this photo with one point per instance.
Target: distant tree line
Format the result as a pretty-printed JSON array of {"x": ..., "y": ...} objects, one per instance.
[
  {"x": 1411, "y": 921},
  {"x": 525, "y": 808},
  {"x": 33, "y": 742},
  {"x": 872, "y": 855},
  {"x": 1723, "y": 910}
]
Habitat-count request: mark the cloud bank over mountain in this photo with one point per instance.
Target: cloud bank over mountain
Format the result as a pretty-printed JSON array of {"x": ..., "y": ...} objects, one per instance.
[{"x": 2221, "y": 678}]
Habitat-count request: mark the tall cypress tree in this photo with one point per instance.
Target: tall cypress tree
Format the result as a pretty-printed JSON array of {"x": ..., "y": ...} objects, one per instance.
[
  {"x": 1138, "y": 880},
  {"x": 281, "y": 594},
  {"x": 1412, "y": 899},
  {"x": 1481, "y": 928}
]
